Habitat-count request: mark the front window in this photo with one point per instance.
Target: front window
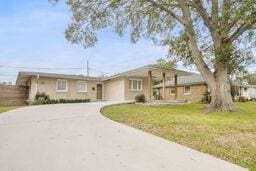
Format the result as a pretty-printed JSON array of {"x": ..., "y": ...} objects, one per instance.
[
  {"x": 135, "y": 84},
  {"x": 172, "y": 90},
  {"x": 187, "y": 89},
  {"x": 62, "y": 85},
  {"x": 81, "y": 86}
]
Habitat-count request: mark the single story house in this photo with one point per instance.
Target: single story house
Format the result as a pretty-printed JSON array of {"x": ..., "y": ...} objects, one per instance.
[
  {"x": 192, "y": 87},
  {"x": 119, "y": 87}
]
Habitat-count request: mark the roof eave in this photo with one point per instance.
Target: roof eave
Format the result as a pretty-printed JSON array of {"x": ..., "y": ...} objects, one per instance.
[
  {"x": 51, "y": 75},
  {"x": 183, "y": 84},
  {"x": 148, "y": 67}
]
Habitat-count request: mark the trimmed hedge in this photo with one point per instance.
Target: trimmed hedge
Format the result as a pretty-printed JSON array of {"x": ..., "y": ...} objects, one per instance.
[
  {"x": 42, "y": 98},
  {"x": 56, "y": 101}
]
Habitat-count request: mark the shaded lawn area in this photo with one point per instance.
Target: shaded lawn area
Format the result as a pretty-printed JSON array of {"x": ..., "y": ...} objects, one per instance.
[
  {"x": 230, "y": 136},
  {"x": 7, "y": 108}
]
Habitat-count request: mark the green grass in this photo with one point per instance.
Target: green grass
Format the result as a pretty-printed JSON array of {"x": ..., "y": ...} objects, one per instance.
[
  {"x": 7, "y": 108},
  {"x": 230, "y": 136}
]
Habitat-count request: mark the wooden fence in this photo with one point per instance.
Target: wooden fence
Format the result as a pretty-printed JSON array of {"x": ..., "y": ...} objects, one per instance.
[{"x": 13, "y": 95}]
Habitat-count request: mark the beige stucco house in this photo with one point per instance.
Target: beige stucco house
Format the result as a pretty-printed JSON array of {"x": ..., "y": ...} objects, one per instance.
[{"x": 119, "y": 87}]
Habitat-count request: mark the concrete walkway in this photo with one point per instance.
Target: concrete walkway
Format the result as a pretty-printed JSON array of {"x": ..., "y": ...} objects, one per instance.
[{"x": 76, "y": 137}]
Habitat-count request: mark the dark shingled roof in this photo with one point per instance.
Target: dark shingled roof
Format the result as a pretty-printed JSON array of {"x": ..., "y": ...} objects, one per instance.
[{"x": 184, "y": 80}]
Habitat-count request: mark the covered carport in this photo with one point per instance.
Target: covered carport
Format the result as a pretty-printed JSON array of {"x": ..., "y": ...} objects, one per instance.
[{"x": 155, "y": 72}]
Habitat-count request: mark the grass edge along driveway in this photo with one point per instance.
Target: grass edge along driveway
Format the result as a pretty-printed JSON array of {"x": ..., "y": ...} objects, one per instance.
[
  {"x": 7, "y": 108},
  {"x": 230, "y": 136}
]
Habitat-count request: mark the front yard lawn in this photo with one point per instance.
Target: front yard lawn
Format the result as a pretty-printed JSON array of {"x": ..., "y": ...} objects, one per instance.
[
  {"x": 7, "y": 108},
  {"x": 230, "y": 136}
]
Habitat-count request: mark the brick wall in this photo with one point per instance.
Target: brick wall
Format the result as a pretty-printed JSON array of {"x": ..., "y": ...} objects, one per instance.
[
  {"x": 196, "y": 94},
  {"x": 13, "y": 95}
]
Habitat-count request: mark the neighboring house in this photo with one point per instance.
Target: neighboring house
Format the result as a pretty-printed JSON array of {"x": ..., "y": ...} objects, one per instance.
[
  {"x": 189, "y": 88},
  {"x": 119, "y": 87},
  {"x": 248, "y": 91},
  {"x": 5, "y": 83}
]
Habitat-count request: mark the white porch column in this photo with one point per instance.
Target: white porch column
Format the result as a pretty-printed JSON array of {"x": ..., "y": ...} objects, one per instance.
[
  {"x": 149, "y": 85},
  {"x": 36, "y": 85},
  {"x": 163, "y": 86}
]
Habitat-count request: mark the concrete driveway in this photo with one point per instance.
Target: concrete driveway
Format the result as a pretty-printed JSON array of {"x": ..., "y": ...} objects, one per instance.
[{"x": 74, "y": 137}]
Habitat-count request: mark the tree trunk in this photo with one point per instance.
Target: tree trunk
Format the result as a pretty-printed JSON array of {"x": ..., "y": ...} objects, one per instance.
[
  {"x": 218, "y": 82},
  {"x": 221, "y": 100}
]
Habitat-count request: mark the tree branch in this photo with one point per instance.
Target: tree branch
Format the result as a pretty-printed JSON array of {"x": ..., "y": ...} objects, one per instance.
[
  {"x": 247, "y": 25},
  {"x": 230, "y": 23},
  {"x": 206, "y": 19},
  {"x": 171, "y": 13},
  {"x": 196, "y": 54},
  {"x": 239, "y": 31},
  {"x": 215, "y": 11}
]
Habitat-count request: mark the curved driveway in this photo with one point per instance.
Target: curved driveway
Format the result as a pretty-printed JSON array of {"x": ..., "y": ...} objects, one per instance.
[{"x": 76, "y": 137}]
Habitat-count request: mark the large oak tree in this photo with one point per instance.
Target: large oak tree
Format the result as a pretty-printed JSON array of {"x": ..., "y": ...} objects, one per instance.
[{"x": 217, "y": 36}]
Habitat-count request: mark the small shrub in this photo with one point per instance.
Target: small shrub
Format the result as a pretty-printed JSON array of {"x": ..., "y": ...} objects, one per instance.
[
  {"x": 140, "y": 98},
  {"x": 42, "y": 96},
  {"x": 242, "y": 99},
  {"x": 206, "y": 97},
  {"x": 253, "y": 99}
]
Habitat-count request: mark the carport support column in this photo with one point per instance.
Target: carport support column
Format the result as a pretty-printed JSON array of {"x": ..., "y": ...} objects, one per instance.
[
  {"x": 175, "y": 86},
  {"x": 163, "y": 86},
  {"x": 36, "y": 85},
  {"x": 149, "y": 85}
]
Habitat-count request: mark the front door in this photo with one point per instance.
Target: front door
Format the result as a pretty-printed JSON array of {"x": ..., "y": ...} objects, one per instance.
[{"x": 99, "y": 91}]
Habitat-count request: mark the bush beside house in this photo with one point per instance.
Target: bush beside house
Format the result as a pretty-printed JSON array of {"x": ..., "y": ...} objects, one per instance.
[
  {"x": 43, "y": 98},
  {"x": 206, "y": 98},
  {"x": 242, "y": 99},
  {"x": 140, "y": 98}
]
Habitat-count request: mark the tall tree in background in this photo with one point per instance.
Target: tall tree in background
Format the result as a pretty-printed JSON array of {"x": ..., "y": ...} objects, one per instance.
[
  {"x": 165, "y": 64},
  {"x": 216, "y": 36},
  {"x": 249, "y": 78}
]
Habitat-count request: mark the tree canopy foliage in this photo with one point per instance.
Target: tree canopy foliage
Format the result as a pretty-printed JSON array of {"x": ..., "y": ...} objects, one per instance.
[
  {"x": 164, "y": 22},
  {"x": 165, "y": 64},
  {"x": 249, "y": 78}
]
